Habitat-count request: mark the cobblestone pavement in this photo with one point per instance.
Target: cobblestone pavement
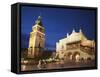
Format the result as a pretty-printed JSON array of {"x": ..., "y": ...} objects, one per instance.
[{"x": 57, "y": 65}]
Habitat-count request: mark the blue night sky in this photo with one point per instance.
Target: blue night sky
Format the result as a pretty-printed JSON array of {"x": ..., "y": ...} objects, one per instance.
[{"x": 57, "y": 23}]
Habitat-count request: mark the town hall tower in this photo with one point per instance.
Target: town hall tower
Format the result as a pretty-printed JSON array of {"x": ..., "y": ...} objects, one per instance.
[{"x": 36, "y": 40}]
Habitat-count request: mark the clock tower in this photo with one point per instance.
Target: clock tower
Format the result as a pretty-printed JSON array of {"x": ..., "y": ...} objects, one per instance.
[{"x": 36, "y": 40}]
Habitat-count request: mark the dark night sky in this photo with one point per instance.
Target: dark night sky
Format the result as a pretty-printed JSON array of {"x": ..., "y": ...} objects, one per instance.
[{"x": 57, "y": 23}]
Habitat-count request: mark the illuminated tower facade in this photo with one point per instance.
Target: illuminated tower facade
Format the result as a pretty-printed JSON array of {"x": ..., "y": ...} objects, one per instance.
[{"x": 36, "y": 40}]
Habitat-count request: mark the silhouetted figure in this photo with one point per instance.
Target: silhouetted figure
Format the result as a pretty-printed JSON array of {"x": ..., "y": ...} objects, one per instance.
[{"x": 39, "y": 64}]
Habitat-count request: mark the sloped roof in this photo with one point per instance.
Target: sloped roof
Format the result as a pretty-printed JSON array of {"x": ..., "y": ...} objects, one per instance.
[{"x": 75, "y": 36}]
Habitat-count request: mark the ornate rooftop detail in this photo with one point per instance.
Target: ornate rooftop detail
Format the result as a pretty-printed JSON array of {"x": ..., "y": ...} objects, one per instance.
[{"x": 38, "y": 21}]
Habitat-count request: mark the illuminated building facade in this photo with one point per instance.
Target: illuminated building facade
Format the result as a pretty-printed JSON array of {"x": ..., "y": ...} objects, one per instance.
[
  {"x": 36, "y": 40},
  {"x": 75, "y": 47}
]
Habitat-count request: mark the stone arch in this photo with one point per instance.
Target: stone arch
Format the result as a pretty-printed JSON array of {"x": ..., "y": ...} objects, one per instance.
[
  {"x": 89, "y": 59},
  {"x": 69, "y": 55},
  {"x": 82, "y": 59},
  {"x": 76, "y": 56}
]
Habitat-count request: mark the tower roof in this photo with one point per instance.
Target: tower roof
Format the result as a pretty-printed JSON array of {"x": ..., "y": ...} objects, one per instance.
[{"x": 38, "y": 21}]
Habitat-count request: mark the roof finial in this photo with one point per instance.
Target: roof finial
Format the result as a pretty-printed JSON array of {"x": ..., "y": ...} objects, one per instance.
[
  {"x": 39, "y": 17},
  {"x": 67, "y": 34},
  {"x": 73, "y": 31},
  {"x": 80, "y": 30}
]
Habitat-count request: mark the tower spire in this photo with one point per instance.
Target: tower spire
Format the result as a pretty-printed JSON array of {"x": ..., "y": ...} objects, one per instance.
[{"x": 38, "y": 21}]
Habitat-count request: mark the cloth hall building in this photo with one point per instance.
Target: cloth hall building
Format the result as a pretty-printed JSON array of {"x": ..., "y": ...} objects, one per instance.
[{"x": 75, "y": 47}]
